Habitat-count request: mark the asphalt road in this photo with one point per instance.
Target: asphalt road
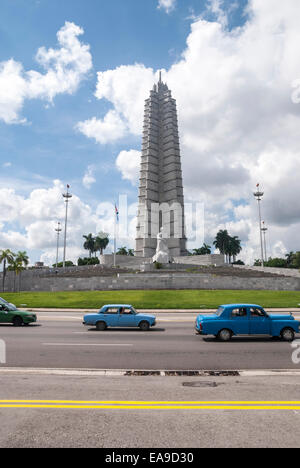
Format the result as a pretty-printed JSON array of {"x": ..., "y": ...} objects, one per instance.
[
  {"x": 132, "y": 427},
  {"x": 59, "y": 340}
]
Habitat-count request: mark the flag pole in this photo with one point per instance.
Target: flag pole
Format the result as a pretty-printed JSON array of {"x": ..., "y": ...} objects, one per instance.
[{"x": 115, "y": 240}]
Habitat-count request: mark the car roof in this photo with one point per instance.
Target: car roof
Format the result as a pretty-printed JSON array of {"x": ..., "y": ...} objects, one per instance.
[
  {"x": 117, "y": 305},
  {"x": 241, "y": 305}
]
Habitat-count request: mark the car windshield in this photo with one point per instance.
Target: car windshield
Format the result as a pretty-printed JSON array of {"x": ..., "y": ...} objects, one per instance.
[
  {"x": 8, "y": 305},
  {"x": 220, "y": 311}
]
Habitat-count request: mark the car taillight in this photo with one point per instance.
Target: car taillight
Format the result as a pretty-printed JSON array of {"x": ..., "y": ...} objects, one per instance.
[{"x": 201, "y": 326}]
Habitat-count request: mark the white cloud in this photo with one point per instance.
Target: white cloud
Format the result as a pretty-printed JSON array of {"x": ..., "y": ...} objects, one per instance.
[
  {"x": 65, "y": 68},
  {"x": 237, "y": 119},
  {"x": 107, "y": 130},
  {"x": 167, "y": 5},
  {"x": 128, "y": 163},
  {"x": 29, "y": 222},
  {"x": 89, "y": 178}
]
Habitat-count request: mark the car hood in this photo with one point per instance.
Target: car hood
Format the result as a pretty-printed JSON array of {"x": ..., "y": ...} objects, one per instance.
[
  {"x": 281, "y": 317},
  {"x": 146, "y": 316}
]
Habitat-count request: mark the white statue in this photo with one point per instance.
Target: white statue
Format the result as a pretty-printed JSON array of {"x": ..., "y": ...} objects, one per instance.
[{"x": 162, "y": 251}]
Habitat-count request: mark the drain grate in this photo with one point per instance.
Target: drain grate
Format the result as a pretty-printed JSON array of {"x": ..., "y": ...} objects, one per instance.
[
  {"x": 139, "y": 373},
  {"x": 200, "y": 384}
]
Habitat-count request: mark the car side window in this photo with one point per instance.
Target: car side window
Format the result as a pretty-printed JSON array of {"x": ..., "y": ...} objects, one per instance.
[
  {"x": 239, "y": 312},
  {"x": 254, "y": 312},
  {"x": 111, "y": 310},
  {"x": 125, "y": 311}
]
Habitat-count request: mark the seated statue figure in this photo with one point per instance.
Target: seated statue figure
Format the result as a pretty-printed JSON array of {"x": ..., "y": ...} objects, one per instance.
[{"x": 162, "y": 251}]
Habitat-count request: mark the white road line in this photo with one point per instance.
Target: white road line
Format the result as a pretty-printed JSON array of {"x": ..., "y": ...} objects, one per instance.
[{"x": 85, "y": 344}]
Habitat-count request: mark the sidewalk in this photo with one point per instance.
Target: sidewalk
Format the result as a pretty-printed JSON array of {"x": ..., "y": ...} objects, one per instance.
[{"x": 156, "y": 311}]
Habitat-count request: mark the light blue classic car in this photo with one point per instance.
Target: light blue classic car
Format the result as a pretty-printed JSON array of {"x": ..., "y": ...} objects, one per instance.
[
  {"x": 119, "y": 315},
  {"x": 246, "y": 319}
]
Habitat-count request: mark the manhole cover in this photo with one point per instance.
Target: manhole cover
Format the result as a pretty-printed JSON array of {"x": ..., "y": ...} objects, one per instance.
[{"x": 200, "y": 384}]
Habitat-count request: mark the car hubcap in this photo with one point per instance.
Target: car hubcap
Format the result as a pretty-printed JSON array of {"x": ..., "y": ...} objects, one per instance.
[
  {"x": 288, "y": 335},
  {"x": 225, "y": 335}
]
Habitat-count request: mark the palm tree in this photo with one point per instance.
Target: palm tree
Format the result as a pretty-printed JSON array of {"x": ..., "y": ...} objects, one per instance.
[
  {"x": 17, "y": 267},
  {"x": 101, "y": 242},
  {"x": 6, "y": 256},
  {"x": 290, "y": 258},
  {"x": 233, "y": 248},
  {"x": 23, "y": 258},
  {"x": 122, "y": 251},
  {"x": 89, "y": 244},
  {"x": 222, "y": 241},
  {"x": 204, "y": 250}
]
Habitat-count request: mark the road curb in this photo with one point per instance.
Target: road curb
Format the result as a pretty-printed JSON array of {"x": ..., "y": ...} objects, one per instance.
[{"x": 151, "y": 373}]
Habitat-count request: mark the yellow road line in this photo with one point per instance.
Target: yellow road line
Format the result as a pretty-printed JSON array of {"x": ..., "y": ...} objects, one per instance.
[
  {"x": 151, "y": 403},
  {"x": 157, "y": 407}
]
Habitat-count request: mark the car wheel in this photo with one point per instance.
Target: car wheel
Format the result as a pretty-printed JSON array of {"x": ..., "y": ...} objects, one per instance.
[
  {"x": 224, "y": 335},
  {"x": 101, "y": 326},
  {"x": 288, "y": 334},
  {"x": 17, "y": 322},
  {"x": 144, "y": 326}
]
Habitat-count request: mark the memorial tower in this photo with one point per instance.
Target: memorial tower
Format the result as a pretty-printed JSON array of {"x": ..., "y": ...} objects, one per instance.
[{"x": 161, "y": 202}]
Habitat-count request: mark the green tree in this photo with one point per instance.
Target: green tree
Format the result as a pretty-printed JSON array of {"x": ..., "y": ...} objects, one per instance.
[
  {"x": 89, "y": 244},
  {"x": 101, "y": 242},
  {"x": 23, "y": 258},
  {"x": 296, "y": 260},
  {"x": 6, "y": 256},
  {"x": 222, "y": 241},
  {"x": 233, "y": 248},
  {"x": 290, "y": 258},
  {"x": 204, "y": 250},
  {"x": 17, "y": 267},
  {"x": 122, "y": 251}
]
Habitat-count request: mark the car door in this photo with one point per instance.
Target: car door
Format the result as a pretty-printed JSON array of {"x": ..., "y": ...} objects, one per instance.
[
  {"x": 260, "y": 323},
  {"x": 5, "y": 316},
  {"x": 127, "y": 317},
  {"x": 111, "y": 316},
  {"x": 240, "y": 320}
]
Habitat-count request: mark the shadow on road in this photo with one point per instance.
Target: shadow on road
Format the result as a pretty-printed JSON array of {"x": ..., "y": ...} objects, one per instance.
[
  {"x": 137, "y": 330},
  {"x": 246, "y": 339}
]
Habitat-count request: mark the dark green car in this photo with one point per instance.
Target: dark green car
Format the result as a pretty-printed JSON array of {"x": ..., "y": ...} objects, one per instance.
[{"x": 10, "y": 314}]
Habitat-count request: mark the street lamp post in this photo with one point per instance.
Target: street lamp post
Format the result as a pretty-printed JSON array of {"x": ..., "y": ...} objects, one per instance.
[
  {"x": 258, "y": 195},
  {"x": 58, "y": 230},
  {"x": 264, "y": 231},
  {"x": 67, "y": 196}
]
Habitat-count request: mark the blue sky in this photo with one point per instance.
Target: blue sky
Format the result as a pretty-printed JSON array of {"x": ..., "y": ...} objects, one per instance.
[
  {"x": 49, "y": 146},
  {"x": 119, "y": 32}
]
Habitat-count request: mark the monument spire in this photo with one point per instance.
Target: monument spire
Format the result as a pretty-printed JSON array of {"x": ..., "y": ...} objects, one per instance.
[{"x": 161, "y": 202}]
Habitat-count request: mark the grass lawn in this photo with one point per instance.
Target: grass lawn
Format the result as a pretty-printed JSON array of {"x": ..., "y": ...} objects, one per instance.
[{"x": 166, "y": 299}]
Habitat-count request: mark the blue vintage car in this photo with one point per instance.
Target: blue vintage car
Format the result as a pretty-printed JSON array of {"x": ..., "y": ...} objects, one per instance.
[
  {"x": 119, "y": 315},
  {"x": 246, "y": 319}
]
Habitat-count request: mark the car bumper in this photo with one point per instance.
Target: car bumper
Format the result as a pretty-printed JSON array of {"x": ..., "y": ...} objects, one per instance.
[
  {"x": 29, "y": 319},
  {"x": 198, "y": 331}
]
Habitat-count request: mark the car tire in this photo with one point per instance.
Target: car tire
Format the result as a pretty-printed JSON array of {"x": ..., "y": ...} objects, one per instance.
[
  {"x": 224, "y": 335},
  {"x": 101, "y": 326},
  {"x": 17, "y": 322},
  {"x": 144, "y": 326},
  {"x": 287, "y": 334}
]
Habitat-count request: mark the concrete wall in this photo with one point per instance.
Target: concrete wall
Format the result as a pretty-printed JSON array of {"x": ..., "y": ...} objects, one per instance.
[
  {"x": 135, "y": 262},
  {"x": 123, "y": 261},
  {"x": 154, "y": 281},
  {"x": 214, "y": 259},
  {"x": 278, "y": 271}
]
